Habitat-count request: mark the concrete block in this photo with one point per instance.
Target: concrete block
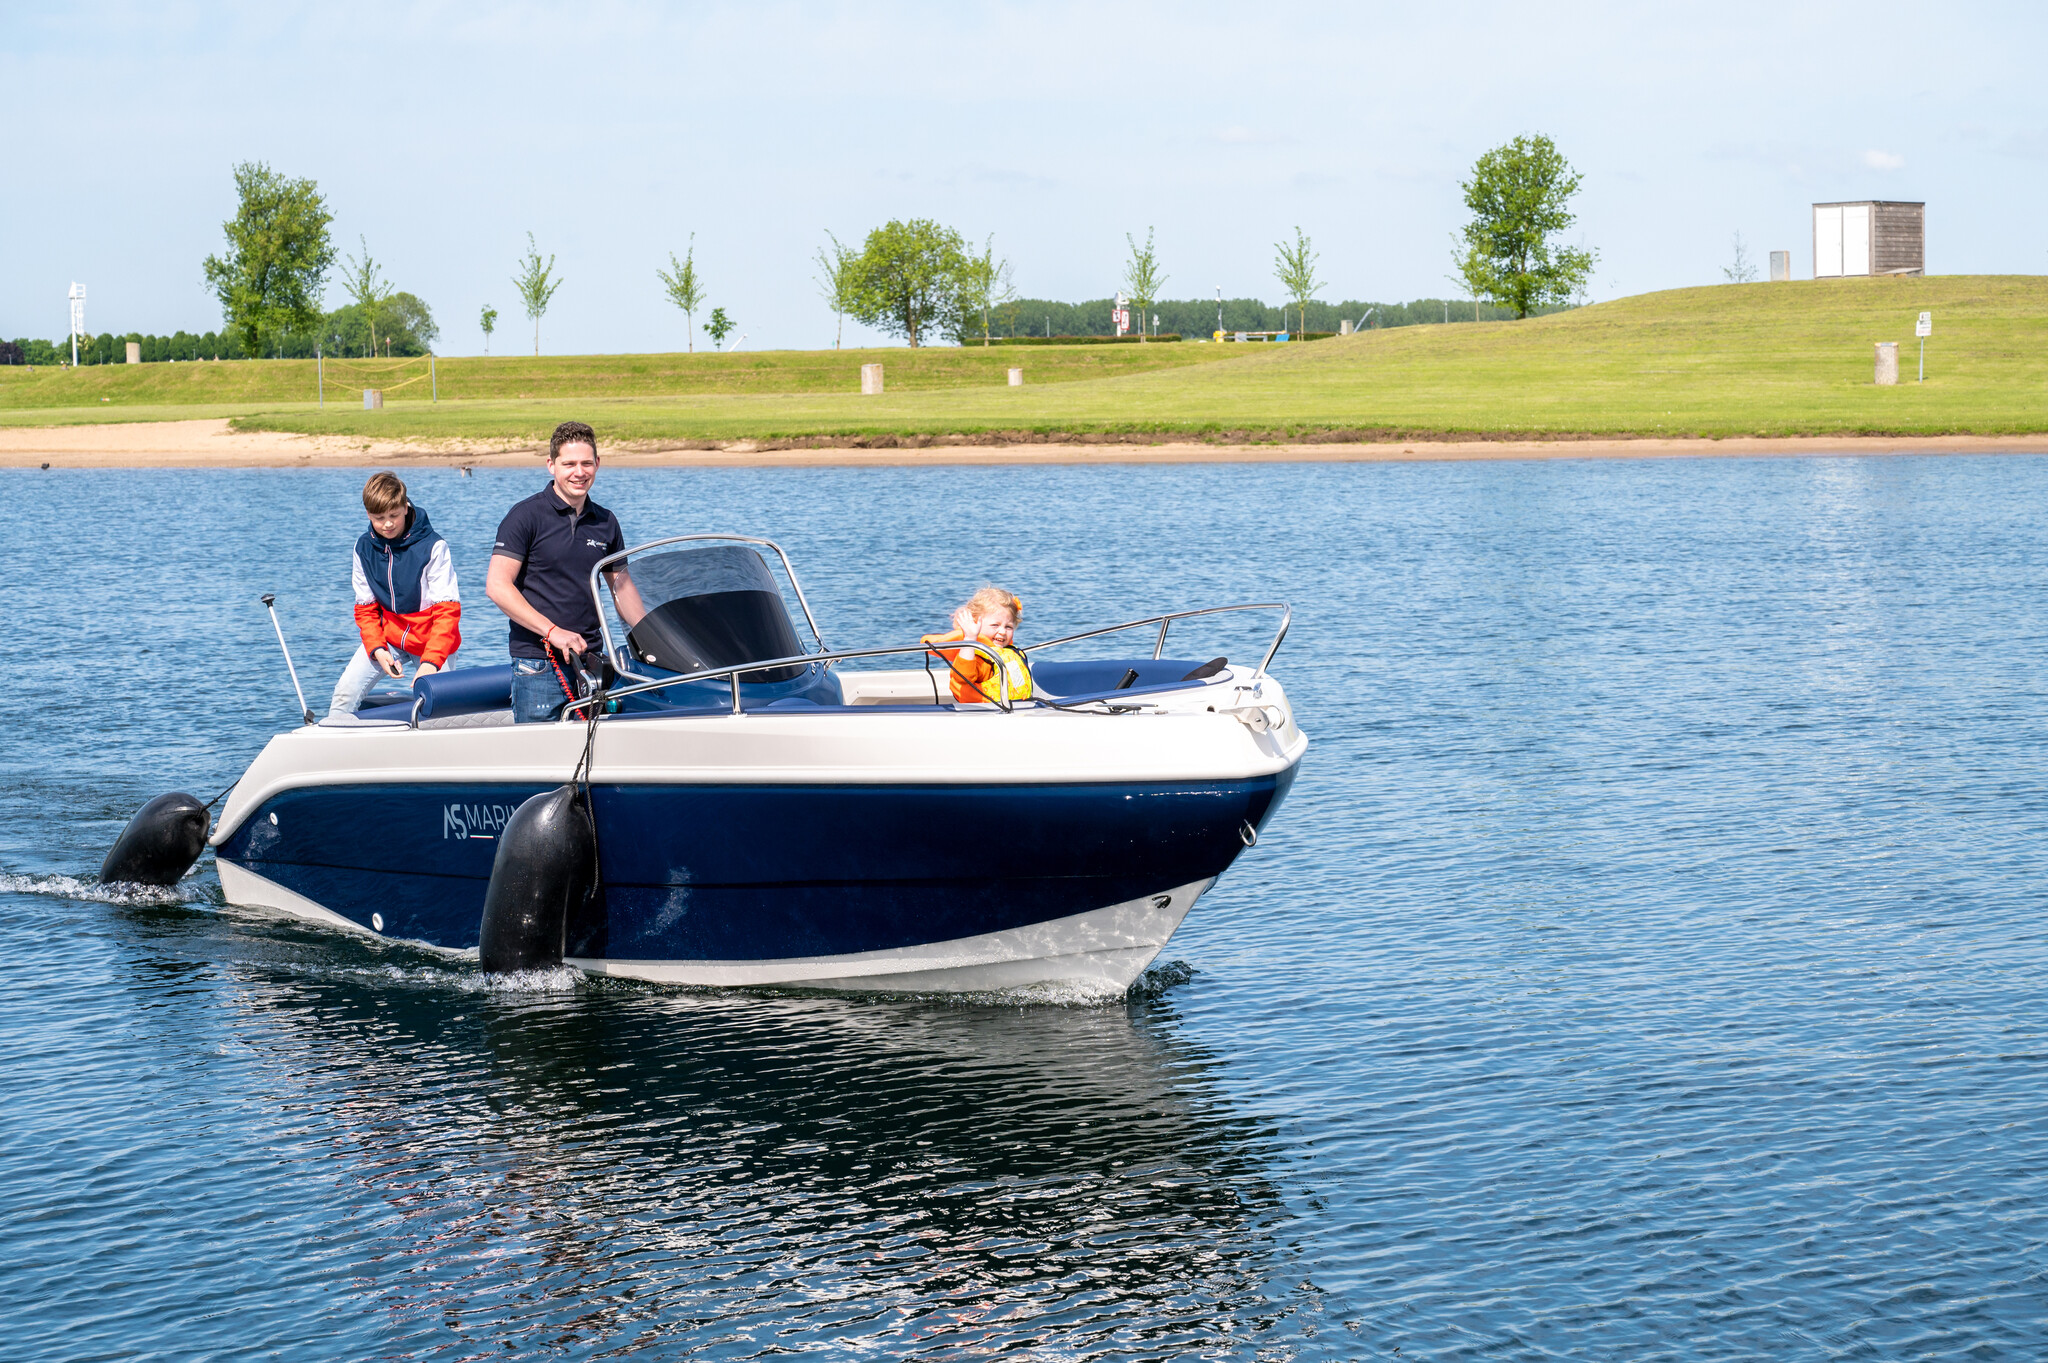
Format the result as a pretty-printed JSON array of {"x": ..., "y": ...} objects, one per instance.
[
  {"x": 1016, "y": 378},
  {"x": 373, "y": 399},
  {"x": 135, "y": 352},
  {"x": 1887, "y": 362},
  {"x": 1344, "y": 326},
  {"x": 870, "y": 380},
  {"x": 1781, "y": 266}
]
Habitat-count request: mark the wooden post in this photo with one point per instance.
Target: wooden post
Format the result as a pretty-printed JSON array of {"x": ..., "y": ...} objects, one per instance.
[
  {"x": 373, "y": 399},
  {"x": 1887, "y": 363},
  {"x": 870, "y": 380}
]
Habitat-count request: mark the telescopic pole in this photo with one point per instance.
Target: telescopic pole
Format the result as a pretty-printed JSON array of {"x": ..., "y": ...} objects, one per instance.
[{"x": 269, "y": 598}]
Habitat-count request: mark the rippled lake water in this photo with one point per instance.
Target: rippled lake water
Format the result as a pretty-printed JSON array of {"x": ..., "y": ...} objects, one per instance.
[{"x": 1648, "y": 963}]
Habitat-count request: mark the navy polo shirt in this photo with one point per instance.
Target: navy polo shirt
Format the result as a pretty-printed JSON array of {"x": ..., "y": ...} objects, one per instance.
[{"x": 557, "y": 546}]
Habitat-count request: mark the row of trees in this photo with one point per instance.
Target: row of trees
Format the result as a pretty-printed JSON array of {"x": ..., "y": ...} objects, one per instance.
[
  {"x": 1042, "y": 317},
  {"x": 914, "y": 279},
  {"x": 917, "y": 279},
  {"x": 401, "y": 325}
]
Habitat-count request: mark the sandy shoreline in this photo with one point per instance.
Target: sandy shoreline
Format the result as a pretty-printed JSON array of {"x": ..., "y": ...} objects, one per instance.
[{"x": 210, "y": 444}]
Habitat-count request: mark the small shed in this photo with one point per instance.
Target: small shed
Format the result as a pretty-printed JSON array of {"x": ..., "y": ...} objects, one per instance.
[{"x": 1867, "y": 237}]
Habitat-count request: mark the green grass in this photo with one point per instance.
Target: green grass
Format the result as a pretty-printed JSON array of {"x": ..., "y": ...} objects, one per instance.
[
  {"x": 1760, "y": 359},
  {"x": 226, "y": 388}
]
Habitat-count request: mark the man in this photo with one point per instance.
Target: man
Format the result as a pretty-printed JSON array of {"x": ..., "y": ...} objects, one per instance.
[{"x": 540, "y": 575}]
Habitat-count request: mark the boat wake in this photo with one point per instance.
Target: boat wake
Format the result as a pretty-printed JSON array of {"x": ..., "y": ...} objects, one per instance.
[{"x": 89, "y": 888}]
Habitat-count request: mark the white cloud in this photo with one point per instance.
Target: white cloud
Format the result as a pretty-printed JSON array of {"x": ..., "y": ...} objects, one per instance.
[{"x": 1884, "y": 160}]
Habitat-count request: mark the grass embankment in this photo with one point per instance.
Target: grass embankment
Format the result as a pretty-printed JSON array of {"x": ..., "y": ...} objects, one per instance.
[
  {"x": 1758, "y": 359},
  {"x": 169, "y": 392}
]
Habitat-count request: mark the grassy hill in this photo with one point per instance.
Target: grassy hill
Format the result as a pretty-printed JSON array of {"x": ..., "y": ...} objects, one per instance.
[
  {"x": 106, "y": 392},
  {"x": 1756, "y": 359}
]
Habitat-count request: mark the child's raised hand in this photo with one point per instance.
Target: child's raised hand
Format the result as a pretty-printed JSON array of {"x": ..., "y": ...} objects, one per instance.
[{"x": 964, "y": 621}]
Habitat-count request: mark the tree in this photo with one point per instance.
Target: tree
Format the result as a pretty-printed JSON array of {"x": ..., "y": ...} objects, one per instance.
[
  {"x": 984, "y": 285},
  {"x": 407, "y": 318},
  {"x": 1518, "y": 195},
  {"x": 719, "y": 327},
  {"x": 361, "y": 282},
  {"x": 684, "y": 289},
  {"x": 277, "y": 256},
  {"x": 837, "y": 269},
  {"x": 489, "y": 322},
  {"x": 907, "y": 279},
  {"x": 1743, "y": 271},
  {"x": 1295, "y": 267},
  {"x": 535, "y": 287},
  {"x": 1142, "y": 278}
]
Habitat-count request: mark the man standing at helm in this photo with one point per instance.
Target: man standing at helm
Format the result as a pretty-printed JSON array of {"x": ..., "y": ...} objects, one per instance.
[{"x": 540, "y": 576}]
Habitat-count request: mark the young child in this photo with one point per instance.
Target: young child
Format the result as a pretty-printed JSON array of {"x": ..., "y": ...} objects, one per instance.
[
  {"x": 990, "y": 617},
  {"x": 406, "y": 600}
]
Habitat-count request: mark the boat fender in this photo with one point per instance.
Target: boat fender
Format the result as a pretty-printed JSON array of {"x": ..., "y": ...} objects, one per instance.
[
  {"x": 159, "y": 844},
  {"x": 546, "y": 862}
]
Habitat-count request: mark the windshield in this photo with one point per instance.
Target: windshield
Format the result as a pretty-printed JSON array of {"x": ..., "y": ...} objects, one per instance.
[{"x": 711, "y": 607}]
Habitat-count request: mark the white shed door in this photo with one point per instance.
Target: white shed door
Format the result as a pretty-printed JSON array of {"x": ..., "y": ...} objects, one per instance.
[
  {"x": 1856, "y": 239},
  {"x": 1827, "y": 242}
]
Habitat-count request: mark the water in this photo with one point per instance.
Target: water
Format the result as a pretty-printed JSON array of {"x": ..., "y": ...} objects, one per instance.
[{"x": 1647, "y": 965}]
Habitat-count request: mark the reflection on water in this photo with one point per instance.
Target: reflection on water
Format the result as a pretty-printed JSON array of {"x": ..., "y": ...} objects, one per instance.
[
  {"x": 1647, "y": 964},
  {"x": 600, "y": 1165}
]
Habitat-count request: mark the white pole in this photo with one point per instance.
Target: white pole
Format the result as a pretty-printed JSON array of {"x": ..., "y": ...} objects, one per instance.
[{"x": 320, "y": 370}]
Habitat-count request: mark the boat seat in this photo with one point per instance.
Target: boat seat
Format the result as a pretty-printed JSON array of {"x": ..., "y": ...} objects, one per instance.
[
  {"x": 1085, "y": 678},
  {"x": 464, "y": 691}
]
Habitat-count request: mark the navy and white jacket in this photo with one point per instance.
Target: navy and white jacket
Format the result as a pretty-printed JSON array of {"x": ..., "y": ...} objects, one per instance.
[{"x": 406, "y": 595}]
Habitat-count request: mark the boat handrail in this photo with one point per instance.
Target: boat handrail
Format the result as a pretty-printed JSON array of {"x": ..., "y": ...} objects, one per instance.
[
  {"x": 802, "y": 659},
  {"x": 1164, "y": 621},
  {"x": 616, "y": 653}
]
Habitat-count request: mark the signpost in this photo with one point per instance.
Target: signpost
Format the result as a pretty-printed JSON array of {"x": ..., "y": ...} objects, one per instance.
[
  {"x": 77, "y": 320},
  {"x": 1923, "y": 329},
  {"x": 1121, "y": 315}
]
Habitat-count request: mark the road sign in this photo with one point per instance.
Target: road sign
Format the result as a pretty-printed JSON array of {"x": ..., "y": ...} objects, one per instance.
[{"x": 1925, "y": 326}]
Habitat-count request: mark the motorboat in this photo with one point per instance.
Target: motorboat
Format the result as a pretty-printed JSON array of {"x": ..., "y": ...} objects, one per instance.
[{"x": 774, "y": 812}]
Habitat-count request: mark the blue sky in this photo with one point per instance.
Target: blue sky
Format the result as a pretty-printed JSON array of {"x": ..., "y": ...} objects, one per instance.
[{"x": 443, "y": 133}]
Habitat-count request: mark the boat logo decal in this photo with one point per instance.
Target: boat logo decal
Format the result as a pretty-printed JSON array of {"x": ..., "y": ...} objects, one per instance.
[{"x": 474, "y": 821}]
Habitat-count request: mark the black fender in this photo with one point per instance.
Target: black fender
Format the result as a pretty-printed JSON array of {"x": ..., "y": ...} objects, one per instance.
[
  {"x": 159, "y": 844},
  {"x": 545, "y": 865}
]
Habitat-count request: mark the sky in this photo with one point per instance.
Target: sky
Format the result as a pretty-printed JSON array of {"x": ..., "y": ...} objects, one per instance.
[{"x": 616, "y": 133}]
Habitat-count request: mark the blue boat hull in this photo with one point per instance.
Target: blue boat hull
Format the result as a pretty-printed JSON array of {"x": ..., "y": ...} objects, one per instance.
[{"x": 762, "y": 872}]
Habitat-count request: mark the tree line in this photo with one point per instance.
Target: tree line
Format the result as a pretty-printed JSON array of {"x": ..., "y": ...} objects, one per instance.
[
  {"x": 404, "y": 327},
  {"x": 915, "y": 279},
  {"x": 1196, "y": 317}
]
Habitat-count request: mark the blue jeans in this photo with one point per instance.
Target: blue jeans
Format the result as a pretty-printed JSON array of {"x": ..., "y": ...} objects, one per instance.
[{"x": 537, "y": 695}]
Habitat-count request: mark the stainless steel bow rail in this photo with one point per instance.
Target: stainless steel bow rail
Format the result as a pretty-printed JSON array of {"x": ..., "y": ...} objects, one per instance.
[
  {"x": 1166, "y": 621},
  {"x": 734, "y": 673},
  {"x": 618, "y": 654}
]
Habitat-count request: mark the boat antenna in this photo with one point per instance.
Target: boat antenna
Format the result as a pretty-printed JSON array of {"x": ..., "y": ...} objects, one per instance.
[{"x": 269, "y": 604}]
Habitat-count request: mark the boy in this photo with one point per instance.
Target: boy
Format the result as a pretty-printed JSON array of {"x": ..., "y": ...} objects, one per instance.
[
  {"x": 406, "y": 600},
  {"x": 990, "y": 617}
]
